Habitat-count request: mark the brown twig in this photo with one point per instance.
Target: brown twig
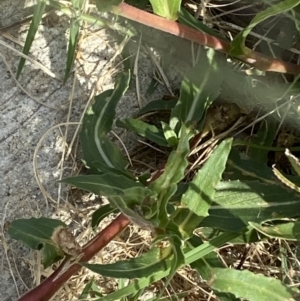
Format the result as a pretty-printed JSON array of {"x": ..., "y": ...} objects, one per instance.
[
  {"x": 53, "y": 283},
  {"x": 255, "y": 59}
]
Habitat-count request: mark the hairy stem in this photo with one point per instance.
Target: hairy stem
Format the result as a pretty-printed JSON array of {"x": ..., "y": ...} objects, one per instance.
[{"x": 53, "y": 283}]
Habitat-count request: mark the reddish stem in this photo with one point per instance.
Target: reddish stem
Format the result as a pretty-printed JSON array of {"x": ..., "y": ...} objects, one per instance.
[
  {"x": 256, "y": 59},
  {"x": 53, "y": 283}
]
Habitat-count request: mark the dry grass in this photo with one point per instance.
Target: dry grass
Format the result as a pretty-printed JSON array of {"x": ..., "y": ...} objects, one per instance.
[{"x": 273, "y": 258}]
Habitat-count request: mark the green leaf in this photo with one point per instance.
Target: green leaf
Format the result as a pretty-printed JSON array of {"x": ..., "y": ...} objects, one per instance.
[
  {"x": 166, "y": 185},
  {"x": 294, "y": 162},
  {"x": 143, "y": 129},
  {"x": 236, "y": 204},
  {"x": 253, "y": 287},
  {"x": 190, "y": 257},
  {"x": 244, "y": 168},
  {"x": 265, "y": 136},
  {"x": 37, "y": 233},
  {"x": 90, "y": 289},
  {"x": 99, "y": 153},
  {"x": 248, "y": 201},
  {"x": 204, "y": 265},
  {"x": 199, "y": 89},
  {"x": 145, "y": 265},
  {"x": 75, "y": 25},
  {"x": 169, "y": 134},
  {"x": 178, "y": 259},
  {"x": 168, "y": 9},
  {"x": 238, "y": 44},
  {"x": 201, "y": 189},
  {"x": 105, "y": 184},
  {"x": 123, "y": 193},
  {"x": 158, "y": 105},
  {"x": 100, "y": 214},
  {"x": 186, "y": 221},
  {"x": 36, "y": 19},
  {"x": 248, "y": 237},
  {"x": 288, "y": 231},
  {"x": 285, "y": 180},
  {"x": 188, "y": 19}
]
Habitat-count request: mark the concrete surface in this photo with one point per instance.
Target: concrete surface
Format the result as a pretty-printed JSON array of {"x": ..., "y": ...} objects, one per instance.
[{"x": 24, "y": 121}]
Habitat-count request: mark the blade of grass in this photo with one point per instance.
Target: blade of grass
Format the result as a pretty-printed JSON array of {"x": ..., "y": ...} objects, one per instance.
[
  {"x": 73, "y": 38},
  {"x": 36, "y": 19}
]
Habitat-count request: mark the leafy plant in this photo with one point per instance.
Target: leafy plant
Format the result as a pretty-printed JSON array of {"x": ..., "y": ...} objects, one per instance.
[
  {"x": 241, "y": 206},
  {"x": 205, "y": 202},
  {"x": 188, "y": 28}
]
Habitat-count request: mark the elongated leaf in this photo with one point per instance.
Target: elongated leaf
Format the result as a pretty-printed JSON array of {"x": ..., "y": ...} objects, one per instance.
[
  {"x": 186, "y": 221},
  {"x": 143, "y": 129},
  {"x": 253, "y": 287},
  {"x": 169, "y": 134},
  {"x": 248, "y": 237},
  {"x": 249, "y": 201},
  {"x": 90, "y": 289},
  {"x": 168, "y": 9},
  {"x": 288, "y": 231},
  {"x": 123, "y": 193},
  {"x": 36, "y": 19},
  {"x": 84, "y": 294},
  {"x": 265, "y": 137},
  {"x": 100, "y": 214},
  {"x": 105, "y": 109},
  {"x": 294, "y": 162},
  {"x": 188, "y": 19},
  {"x": 201, "y": 190},
  {"x": 198, "y": 90},
  {"x": 99, "y": 153},
  {"x": 179, "y": 259},
  {"x": 236, "y": 204},
  {"x": 158, "y": 105},
  {"x": 245, "y": 169},
  {"x": 238, "y": 44},
  {"x": 105, "y": 184},
  {"x": 73, "y": 38},
  {"x": 166, "y": 185},
  {"x": 204, "y": 265},
  {"x": 37, "y": 234},
  {"x": 285, "y": 180},
  {"x": 145, "y": 265},
  {"x": 190, "y": 257}
]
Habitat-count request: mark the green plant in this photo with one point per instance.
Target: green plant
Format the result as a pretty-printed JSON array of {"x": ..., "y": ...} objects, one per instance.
[
  {"x": 247, "y": 205},
  {"x": 171, "y": 209}
]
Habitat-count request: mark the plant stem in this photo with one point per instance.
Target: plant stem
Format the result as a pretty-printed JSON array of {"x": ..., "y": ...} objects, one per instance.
[
  {"x": 53, "y": 283},
  {"x": 256, "y": 59}
]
